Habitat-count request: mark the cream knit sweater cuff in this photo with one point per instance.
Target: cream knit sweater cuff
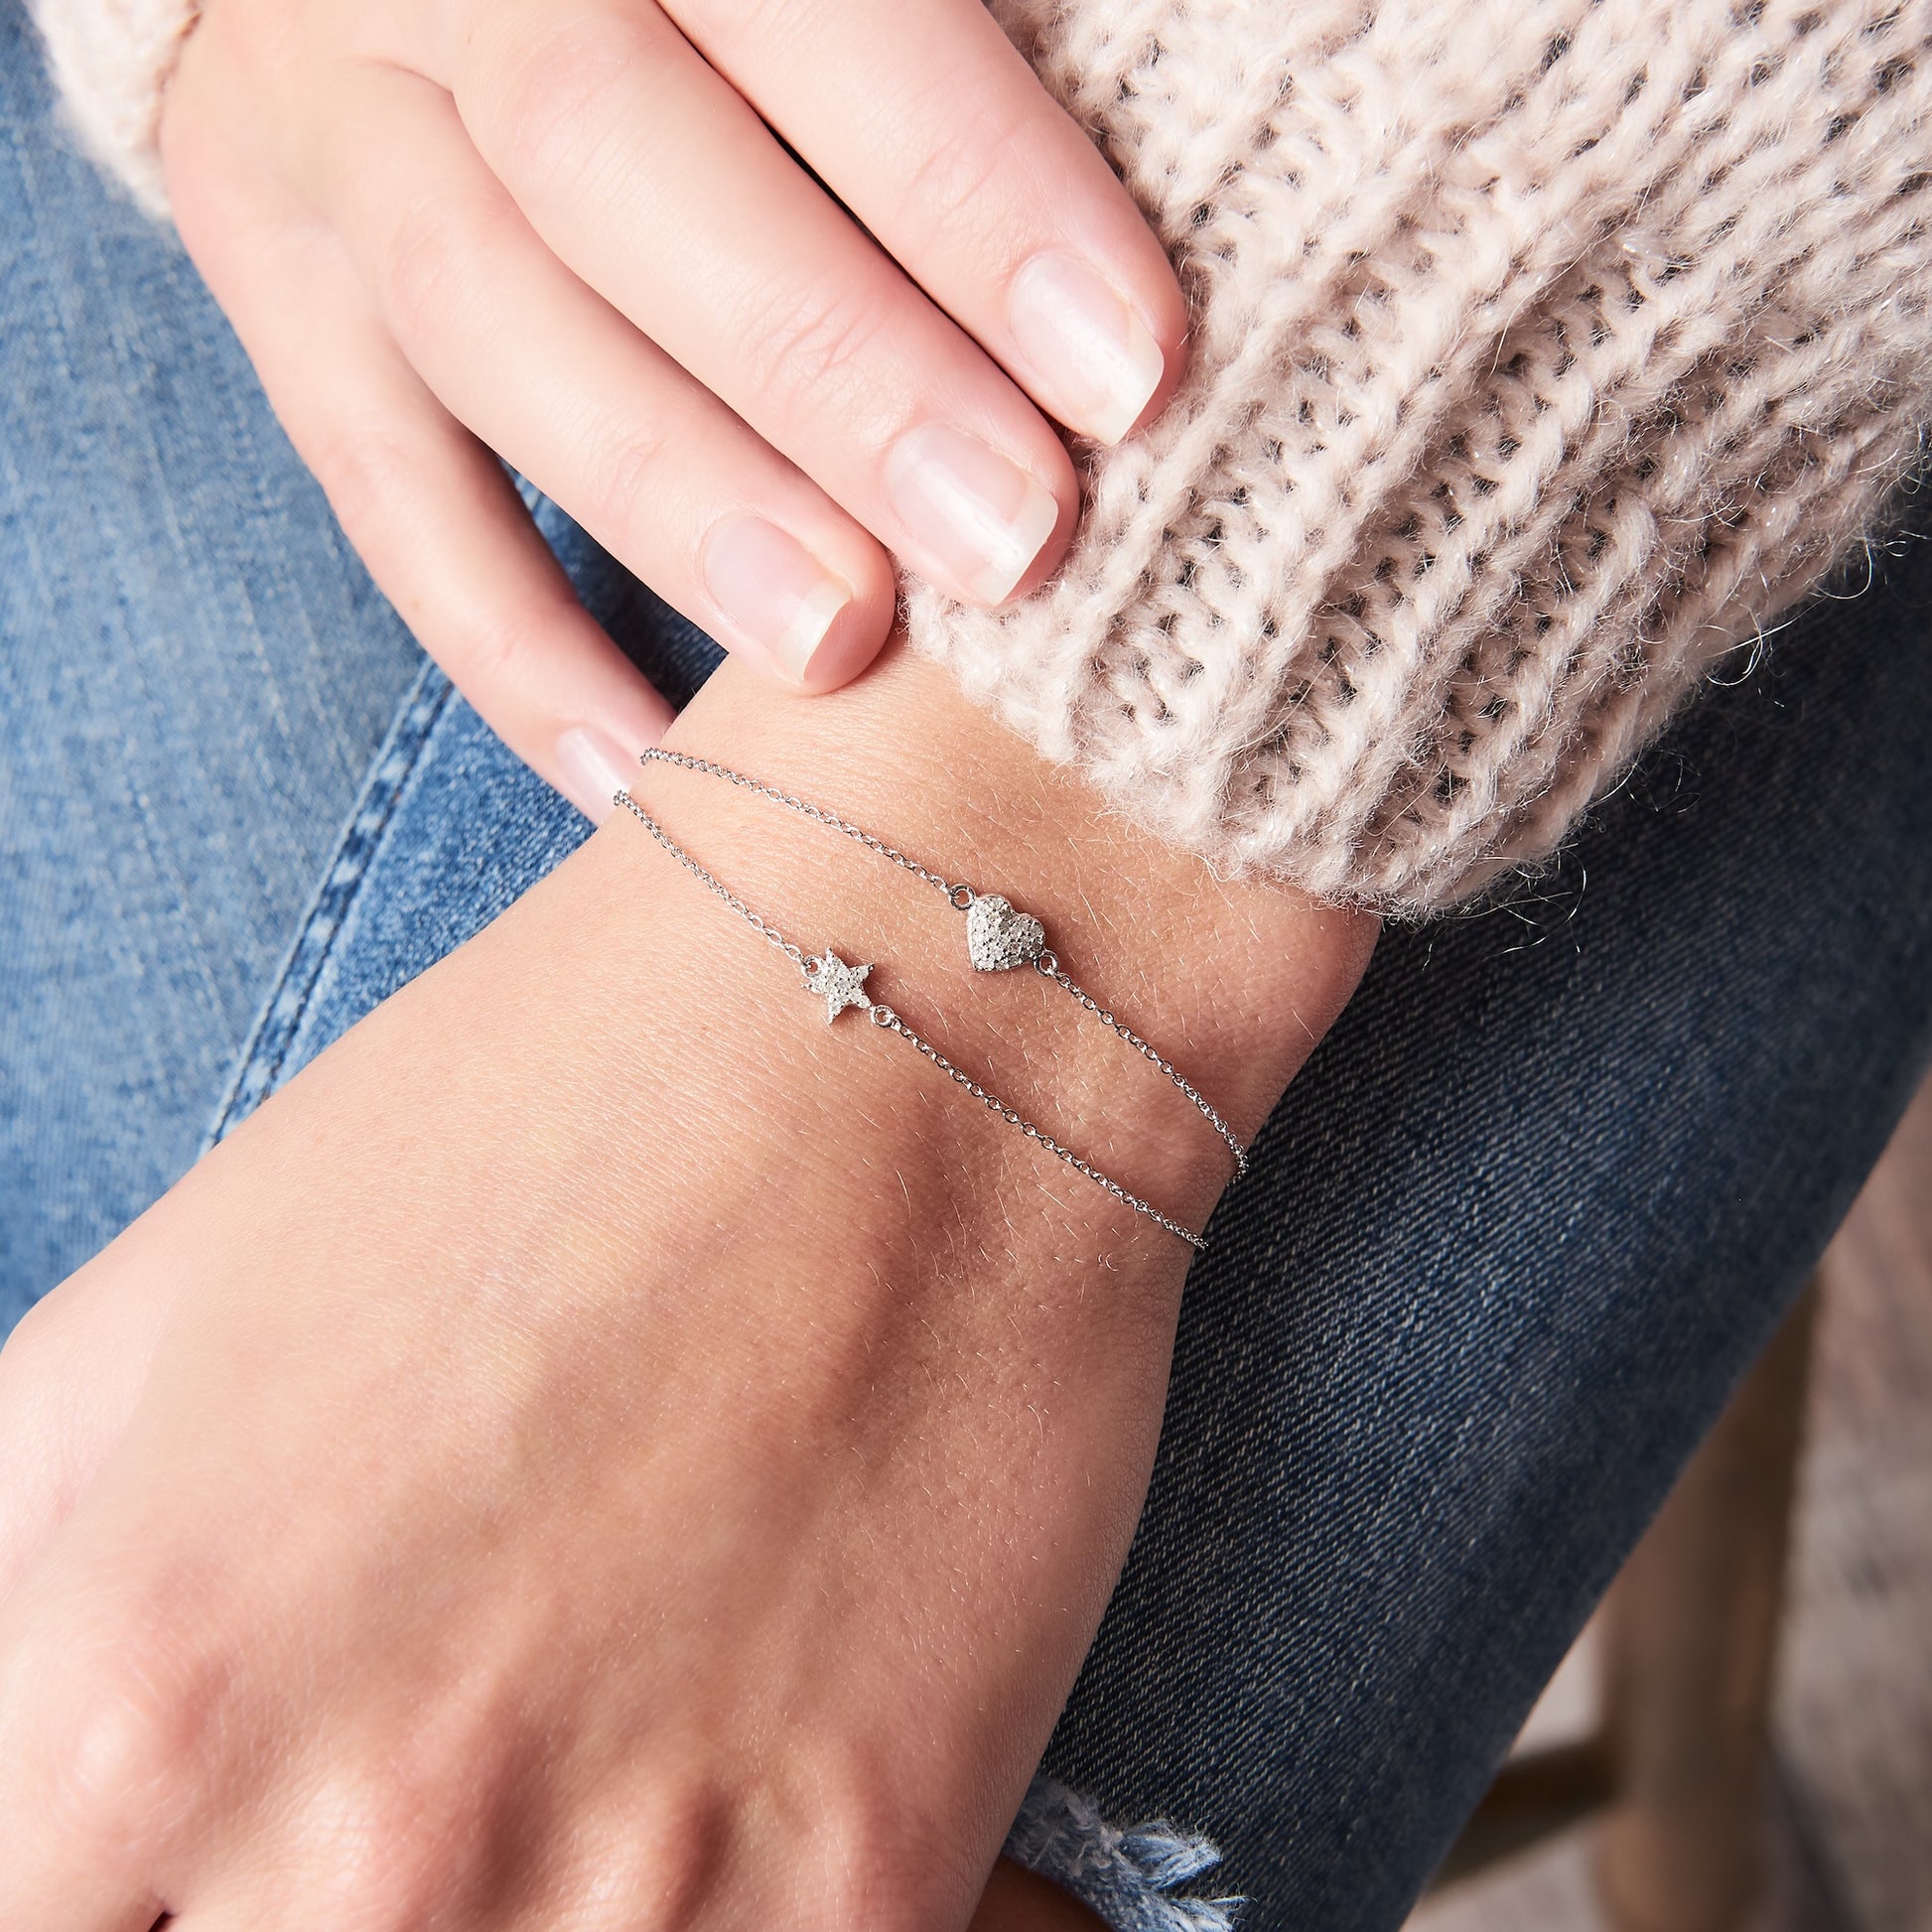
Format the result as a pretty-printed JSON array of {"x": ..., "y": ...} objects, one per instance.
[
  {"x": 1546, "y": 348},
  {"x": 111, "y": 59},
  {"x": 1542, "y": 351}
]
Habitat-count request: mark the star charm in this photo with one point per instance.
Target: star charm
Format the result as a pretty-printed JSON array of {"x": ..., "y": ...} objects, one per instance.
[{"x": 839, "y": 985}]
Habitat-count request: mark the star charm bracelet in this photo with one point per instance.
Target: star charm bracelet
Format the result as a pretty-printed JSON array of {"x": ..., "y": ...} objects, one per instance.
[{"x": 997, "y": 937}]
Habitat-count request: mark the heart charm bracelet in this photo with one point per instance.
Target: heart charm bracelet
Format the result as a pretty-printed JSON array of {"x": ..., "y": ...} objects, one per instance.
[{"x": 998, "y": 938}]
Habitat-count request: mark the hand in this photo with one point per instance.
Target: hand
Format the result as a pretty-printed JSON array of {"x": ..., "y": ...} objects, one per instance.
[
  {"x": 571, "y": 232},
  {"x": 605, "y": 1450}
]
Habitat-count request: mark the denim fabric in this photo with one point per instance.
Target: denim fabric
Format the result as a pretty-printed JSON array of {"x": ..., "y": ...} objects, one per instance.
[
  {"x": 1509, "y": 1241},
  {"x": 193, "y": 674}
]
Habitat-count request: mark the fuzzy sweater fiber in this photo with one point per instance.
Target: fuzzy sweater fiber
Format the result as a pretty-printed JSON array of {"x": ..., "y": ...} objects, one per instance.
[{"x": 1544, "y": 351}]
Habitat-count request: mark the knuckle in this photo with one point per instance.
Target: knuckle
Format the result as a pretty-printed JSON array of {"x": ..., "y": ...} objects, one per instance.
[
  {"x": 805, "y": 352},
  {"x": 366, "y": 471},
  {"x": 396, "y": 1835},
  {"x": 665, "y": 1864},
  {"x": 542, "y": 95},
  {"x": 427, "y": 272},
  {"x": 489, "y": 656},
  {"x": 876, "y": 1869},
  {"x": 621, "y": 462},
  {"x": 669, "y": 1851},
  {"x": 122, "y": 1734},
  {"x": 958, "y": 185},
  {"x": 375, "y": 1842}
]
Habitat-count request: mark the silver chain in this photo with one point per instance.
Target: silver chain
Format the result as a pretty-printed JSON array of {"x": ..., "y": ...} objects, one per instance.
[
  {"x": 961, "y": 897},
  {"x": 771, "y": 934},
  {"x": 1049, "y": 966},
  {"x": 884, "y": 1016},
  {"x": 810, "y": 965},
  {"x": 656, "y": 754}
]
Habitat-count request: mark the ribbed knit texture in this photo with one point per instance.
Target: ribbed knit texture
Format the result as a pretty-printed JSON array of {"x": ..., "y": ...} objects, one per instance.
[{"x": 1544, "y": 350}]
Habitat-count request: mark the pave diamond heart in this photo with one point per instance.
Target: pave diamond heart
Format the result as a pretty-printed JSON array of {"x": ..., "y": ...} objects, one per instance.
[{"x": 998, "y": 938}]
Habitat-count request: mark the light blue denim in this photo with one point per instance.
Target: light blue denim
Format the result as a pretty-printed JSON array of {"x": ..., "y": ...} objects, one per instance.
[{"x": 1509, "y": 1241}]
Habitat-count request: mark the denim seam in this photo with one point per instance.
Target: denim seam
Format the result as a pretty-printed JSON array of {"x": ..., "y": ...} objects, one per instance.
[{"x": 279, "y": 1023}]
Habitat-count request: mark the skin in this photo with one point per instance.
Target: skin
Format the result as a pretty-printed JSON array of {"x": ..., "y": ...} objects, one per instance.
[
  {"x": 604, "y": 1449},
  {"x": 568, "y": 233}
]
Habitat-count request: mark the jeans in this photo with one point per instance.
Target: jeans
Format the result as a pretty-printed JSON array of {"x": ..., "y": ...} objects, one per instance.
[{"x": 1509, "y": 1241}]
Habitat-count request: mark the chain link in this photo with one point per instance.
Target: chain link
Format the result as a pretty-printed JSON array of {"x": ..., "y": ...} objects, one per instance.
[
  {"x": 1049, "y": 966},
  {"x": 717, "y": 887},
  {"x": 821, "y": 814},
  {"x": 960, "y": 896},
  {"x": 883, "y": 1016}
]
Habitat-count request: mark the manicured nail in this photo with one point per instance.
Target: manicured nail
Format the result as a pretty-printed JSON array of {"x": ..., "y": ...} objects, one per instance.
[
  {"x": 1092, "y": 354},
  {"x": 982, "y": 516},
  {"x": 594, "y": 771},
  {"x": 770, "y": 586}
]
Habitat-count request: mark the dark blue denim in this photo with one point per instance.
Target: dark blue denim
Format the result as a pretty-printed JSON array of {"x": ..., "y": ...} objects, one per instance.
[{"x": 1509, "y": 1241}]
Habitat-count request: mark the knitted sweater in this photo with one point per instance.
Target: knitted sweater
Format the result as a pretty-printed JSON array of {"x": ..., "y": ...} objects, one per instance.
[{"x": 1544, "y": 350}]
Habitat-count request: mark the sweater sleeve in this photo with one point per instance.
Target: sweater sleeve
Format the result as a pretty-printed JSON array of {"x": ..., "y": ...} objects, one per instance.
[
  {"x": 111, "y": 60},
  {"x": 1543, "y": 351}
]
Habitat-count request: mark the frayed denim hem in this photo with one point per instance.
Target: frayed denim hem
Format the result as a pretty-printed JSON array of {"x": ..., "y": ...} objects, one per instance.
[{"x": 1127, "y": 1877}]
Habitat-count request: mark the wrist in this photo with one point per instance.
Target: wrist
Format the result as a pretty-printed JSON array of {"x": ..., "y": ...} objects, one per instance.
[{"x": 1232, "y": 981}]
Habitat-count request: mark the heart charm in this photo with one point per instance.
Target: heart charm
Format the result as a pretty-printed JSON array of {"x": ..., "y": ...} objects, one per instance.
[{"x": 998, "y": 939}]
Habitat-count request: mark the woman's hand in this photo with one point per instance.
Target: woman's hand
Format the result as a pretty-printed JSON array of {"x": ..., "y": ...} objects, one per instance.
[
  {"x": 604, "y": 1449},
  {"x": 580, "y": 234}
]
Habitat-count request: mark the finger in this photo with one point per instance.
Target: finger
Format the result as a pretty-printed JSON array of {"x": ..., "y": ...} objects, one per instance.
[
  {"x": 428, "y": 507},
  {"x": 654, "y": 181},
  {"x": 975, "y": 180},
  {"x": 546, "y": 372}
]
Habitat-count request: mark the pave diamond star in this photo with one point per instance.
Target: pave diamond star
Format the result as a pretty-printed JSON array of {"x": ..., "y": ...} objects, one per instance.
[{"x": 839, "y": 985}]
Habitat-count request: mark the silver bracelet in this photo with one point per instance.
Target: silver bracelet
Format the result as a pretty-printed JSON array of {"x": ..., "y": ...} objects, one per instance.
[
  {"x": 997, "y": 937},
  {"x": 1002, "y": 939}
]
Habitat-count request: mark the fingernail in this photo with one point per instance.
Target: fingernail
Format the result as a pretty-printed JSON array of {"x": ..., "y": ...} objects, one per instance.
[
  {"x": 1096, "y": 357},
  {"x": 770, "y": 586},
  {"x": 594, "y": 769},
  {"x": 983, "y": 516}
]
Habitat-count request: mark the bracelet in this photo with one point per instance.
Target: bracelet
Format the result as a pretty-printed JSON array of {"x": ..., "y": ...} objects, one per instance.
[{"x": 998, "y": 939}]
